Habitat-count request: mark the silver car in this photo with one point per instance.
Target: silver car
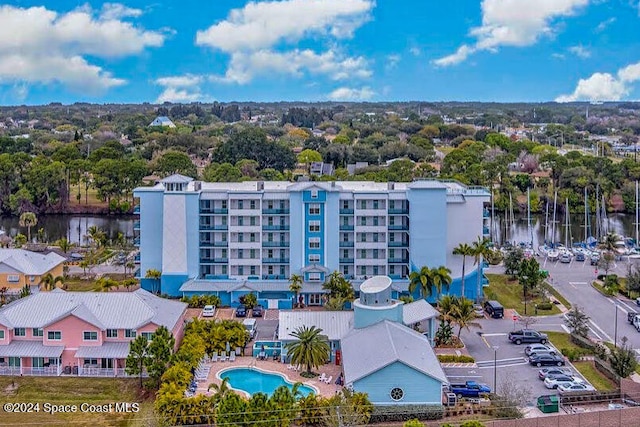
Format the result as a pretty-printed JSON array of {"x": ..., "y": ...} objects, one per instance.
[{"x": 537, "y": 348}]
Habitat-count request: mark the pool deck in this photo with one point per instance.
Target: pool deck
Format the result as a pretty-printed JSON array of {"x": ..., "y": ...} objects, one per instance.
[{"x": 275, "y": 366}]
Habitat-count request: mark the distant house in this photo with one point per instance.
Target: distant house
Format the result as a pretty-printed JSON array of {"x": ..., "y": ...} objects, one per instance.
[
  {"x": 320, "y": 168},
  {"x": 19, "y": 267},
  {"x": 162, "y": 121},
  {"x": 81, "y": 333}
]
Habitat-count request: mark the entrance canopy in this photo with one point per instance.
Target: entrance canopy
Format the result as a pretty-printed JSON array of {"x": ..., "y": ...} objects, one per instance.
[{"x": 30, "y": 349}]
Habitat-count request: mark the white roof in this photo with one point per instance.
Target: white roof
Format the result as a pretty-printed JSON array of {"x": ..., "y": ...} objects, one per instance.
[
  {"x": 375, "y": 284},
  {"x": 30, "y": 263},
  {"x": 334, "y": 324},
  {"x": 30, "y": 349},
  {"x": 370, "y": 349},
  {"x": 105, "y": 310},
  {"x": 177, "y": 178},
  {"x": 418, "y": 311}
]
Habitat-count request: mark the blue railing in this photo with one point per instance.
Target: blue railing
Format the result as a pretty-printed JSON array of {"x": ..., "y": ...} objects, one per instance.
[
  {"x": 346, "y": 211},
  {"x": 281, "y": 244},
  {"x": 136, "y": 225},
  {"x": 398, "y": 260},
  {"x": 276, "y": 211},
  {"x": 398, "y": 244},
  {"x": 214, "y": 260},
  {"x": 136, "y": 241},
  {"x": 404, "y": 227},
  {"x": 345, "y": 227},
  {"x": 346, "y": 260},
  {"x": 136, "y": 209},
  {"x": 399, "y": 211},
  {"x": 273, "y": 277},
  {"x": 485, "y": 231},
  {"x": 275, "y": 260},
  {"x": 344, "y": 244},
  {"x": 275, "y": 227}
]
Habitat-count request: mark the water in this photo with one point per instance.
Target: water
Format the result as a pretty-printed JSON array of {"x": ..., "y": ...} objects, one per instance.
[
  {"x": 254, "y": 381},
  {"x": 73, "y": 227},
  {"x": 622, "y": 224}
]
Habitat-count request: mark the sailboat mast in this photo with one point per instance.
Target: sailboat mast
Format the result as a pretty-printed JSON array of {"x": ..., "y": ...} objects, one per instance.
[
  {"x": 605, "y": 220},
  {"x": 492, "y": 219},
  {"x": 598, "y": 221},
  {"x": 553, "y": 223},
  {"x": 529, "y": 218},
  {"x": 546, "y": 223},
  {"x": 566, "y": 224},
  {"x": 586, "y": 217},
  {"x": 511, "y": 214},
  {"x": 637, "y": 213}
]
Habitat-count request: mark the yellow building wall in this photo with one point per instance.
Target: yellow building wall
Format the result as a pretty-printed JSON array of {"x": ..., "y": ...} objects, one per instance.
[{"x": 25, "y": 280}]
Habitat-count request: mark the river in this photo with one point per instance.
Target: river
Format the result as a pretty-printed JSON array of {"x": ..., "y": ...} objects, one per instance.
[{"x": 73, "y": 227}]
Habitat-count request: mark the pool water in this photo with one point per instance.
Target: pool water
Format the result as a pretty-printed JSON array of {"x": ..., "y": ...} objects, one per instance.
[{"x": 254, "y": 381}]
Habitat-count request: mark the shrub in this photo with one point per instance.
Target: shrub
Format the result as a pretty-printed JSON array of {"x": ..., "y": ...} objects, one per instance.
[
  {"x": 390, "y": 413},
  {"x": 413, "y": 423},
  {"x": 583, "y": 342},
  {"x": 545, "y": 306},
  {"x": 454, "y": 358},
  {"x": 472, "y": 423}
]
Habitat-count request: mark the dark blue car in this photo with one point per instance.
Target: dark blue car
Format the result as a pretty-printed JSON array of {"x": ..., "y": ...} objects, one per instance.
[
  {"x": 257, "y": 311},
  {"x": 241, "y": 311}
]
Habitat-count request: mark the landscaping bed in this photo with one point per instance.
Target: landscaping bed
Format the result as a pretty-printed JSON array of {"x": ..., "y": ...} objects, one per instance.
[{"x": 509, "y": 293}]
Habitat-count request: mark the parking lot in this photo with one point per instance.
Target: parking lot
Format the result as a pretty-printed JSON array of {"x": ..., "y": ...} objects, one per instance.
[{"x": 490, "y": 347}]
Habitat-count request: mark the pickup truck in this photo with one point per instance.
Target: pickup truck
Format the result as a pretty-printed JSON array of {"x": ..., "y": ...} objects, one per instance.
[
  {"x": 469, "y": 389},
  {"x": 528, "y": 336}
]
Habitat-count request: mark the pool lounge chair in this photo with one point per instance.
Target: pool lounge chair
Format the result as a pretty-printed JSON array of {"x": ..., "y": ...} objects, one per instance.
[
  {"x": 214, "y": 358},
  {"x": 232, "y": 356},
  {"x": 322, "y": 377},
  {"x": 223, "y": 356},
  {"x": 328, "y": 380}
]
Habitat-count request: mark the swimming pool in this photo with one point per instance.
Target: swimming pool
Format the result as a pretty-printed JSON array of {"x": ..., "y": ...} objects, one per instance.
[{"x": 254, "y": 380}]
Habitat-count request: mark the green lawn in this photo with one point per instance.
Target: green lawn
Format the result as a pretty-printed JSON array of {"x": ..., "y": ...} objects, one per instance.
[
  {"x": 599, "y": 381},
  {"x": 561, "y": 340},
  {"x": 73, "y": 391},
  {"x": 553, "y": 291},
  {"x": 509, "y": 294}
]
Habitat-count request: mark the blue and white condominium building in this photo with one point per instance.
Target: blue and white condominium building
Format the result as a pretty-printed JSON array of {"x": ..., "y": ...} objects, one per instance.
[{"x": 230, "y": 239}]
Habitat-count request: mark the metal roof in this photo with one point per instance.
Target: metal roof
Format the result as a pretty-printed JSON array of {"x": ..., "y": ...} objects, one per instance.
[
  {"x": 370, "y": 349},
  {"x": 108, "y": 350},
  {"x": 176, "y": 178},
  {"x": 30, "y": 349},
  {"x": 334, "y": 324},
  {"x": 30, "y": 263},
  {"x": 418, "y": 311},
  {"x": 106, "y": 310}
]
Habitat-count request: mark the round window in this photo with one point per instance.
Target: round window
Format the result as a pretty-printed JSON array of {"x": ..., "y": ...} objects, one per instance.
[{"x": 397, "y": 393}]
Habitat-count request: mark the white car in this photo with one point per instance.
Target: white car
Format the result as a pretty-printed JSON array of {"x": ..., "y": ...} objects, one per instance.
[
  {"x": 537, "y": 348},
  {"x": 554, "y": 381},
  {"x": 575, "y": 388},
  {"x": 208, "y": 311}
]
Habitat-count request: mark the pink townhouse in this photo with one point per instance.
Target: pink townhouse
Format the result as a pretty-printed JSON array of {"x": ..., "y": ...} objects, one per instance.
[{"x": 81, "y": 333}]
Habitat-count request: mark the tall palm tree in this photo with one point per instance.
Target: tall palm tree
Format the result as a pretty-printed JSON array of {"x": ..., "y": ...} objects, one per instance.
[
  {"x": 441, "y": 278},
  {"x": 28, "y": 219},
  {"x": 609, "y": 242},
  {"x": 49, "y": 282},
  {"x": 480, "y": 250},
  {"x": 295, "y": 286},
  {"x": 311, "y": 348},
  {"x": 465, "y": 250},
  {"x": 155, "y": 275},
  {"x": 463, "y": 314},
  {"x": 421, "y": 280},
  {"x": 97, "y": 235},
  {"x": 220, "y": 390}
]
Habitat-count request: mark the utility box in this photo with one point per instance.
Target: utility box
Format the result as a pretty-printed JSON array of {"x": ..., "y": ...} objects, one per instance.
[
  {"x": 450, "y": 399},
  {"x": 549, "y": 404}
]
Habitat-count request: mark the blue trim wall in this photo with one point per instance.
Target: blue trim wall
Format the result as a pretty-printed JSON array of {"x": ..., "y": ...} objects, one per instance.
[
  {"x": 332, "y": 231},
  {"x": 427, "y": 227},
  {"x": 308, "y": 201},
  {"x": 296, "y": 234},
  {"x": 170, "y": 284},
  {"x": 151, "y": 228},
  {"x": 192, "y": 206}
]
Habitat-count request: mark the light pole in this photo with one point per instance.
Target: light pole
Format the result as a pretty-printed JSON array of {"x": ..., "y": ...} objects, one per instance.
[
  {"x": 615, "y": 330},
  {"x": 495, "y": 367}
]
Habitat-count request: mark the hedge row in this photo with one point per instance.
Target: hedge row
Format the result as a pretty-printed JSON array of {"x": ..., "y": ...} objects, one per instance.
[
  {"x": 390, "y": 413},
  {"x": 454, "y": 358}
]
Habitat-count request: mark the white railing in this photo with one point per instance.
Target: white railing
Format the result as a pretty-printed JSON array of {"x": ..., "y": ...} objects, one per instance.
[
  {"x": 10, "y": 370},
  {"x": 48, "y": 371},
  {"x": 105, "y": 372}
]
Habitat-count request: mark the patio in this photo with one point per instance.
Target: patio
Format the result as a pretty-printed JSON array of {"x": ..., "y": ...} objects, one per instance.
[{"x": 275, "y": 366}]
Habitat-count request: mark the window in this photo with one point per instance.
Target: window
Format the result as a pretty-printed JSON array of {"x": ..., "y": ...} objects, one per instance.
[
  {"x": 314, "y": 226},
  {"x": 314, "y": 194},
  {"x": 224, "y": 204},
  {"x": 240, "y": 270},
  {"x": 37, "y": 332},
  {"x": 314, "y": 209},
  {"x": 315, "y": 299},
  {"x": 363, "y": 270},
  {"x": 252, "y": 253},
  {"x": 363, "y": 204},
  {"x": 224, "y": 270},
  {"x": 240, "y": 204},
  {"x": 345, "y": 270},
  {"x": 314, "y": 277},
  {"x": 54, "y": 335},
  {"x": 147, "y": 335},
  {"x": 396, "y": 393},
  {"x": 14, "y": 362},
  {"x": 345, "y": 253},
  {"x": 363, "y": 253},
  {"x": 1, "y": 334},
  {"x": 392, "y": 220},
  {"x": 270, "y": 253},
  {"x": 270, "y": 237},
  {"x": 375, "y": 220},
  {"x": 240, "y": 237},
  {"x": 90, "y": 362},
  {"x": 252, "y": 204},
  {"x": 37, "y": 362},
  {"x": 240, "y": 220},
  {"x": 345, "y": 204},
  {"x": 130, "y": 333},
  {"x": 90, "y": 336},
  {"x": 112, "y": 333},
  {"x": 363, "y": 220},
  {"x": 392, "y": 237},
  {"x": 314, "y": 259},
  {"x": 375, "y": 237},
  {"x": 375, "y": 270},
  {"x": 240, "y": 253},
  {"x": 392, "y": 253},
  {"x": 252, "y": 220},
  {"x": 376, "y": 204},
  {"x": 252, "y": 270},
  {"x": 13, "y": 278},
  {"x": 19, "y": 332},
  {"x": 314, "y": 243},
  {"x": 363, "y": 237},
  {"x": 252, "y": 237},
  {"x": 375, "y": 254},
  {"x": 270, "y": 269}
]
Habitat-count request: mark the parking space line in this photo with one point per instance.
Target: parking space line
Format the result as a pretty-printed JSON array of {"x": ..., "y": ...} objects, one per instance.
[
  {"x": 604, "y": 334},
  {"x": 619, "y": 305}
]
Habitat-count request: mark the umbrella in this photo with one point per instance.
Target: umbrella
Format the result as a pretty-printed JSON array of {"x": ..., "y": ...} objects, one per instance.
[{"x": 228, "y": 347}]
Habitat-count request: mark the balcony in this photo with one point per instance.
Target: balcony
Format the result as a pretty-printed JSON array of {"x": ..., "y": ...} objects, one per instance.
[
  {"x": 205, "y": 227},
  {"x": 346, "y": 244},
  {"x": 281, "y": 244},
  {"x": 136, "y": 241},
  {"x": 281, "y": 227},
  {"x": 346, "y": 260},
  {"x": 398, "y": 260},
  {"x": 398, "y": 244},
  {"x": 275, "y": 260},
  {"x": 136, "y": 209},
  {"x": 136, "y": 225},
  {"x": 275, "y": 211},
  {"x": 399, "y": 227},
  {"x": 223, "y": 244},
  {"x": 215, "y": 211},
  {"x": 346, "y": 211},
  {"x": 214, "y": 260},
  {"x": 486, "y": 214},
  {"x": 399, "y": 211},
  {"x": 136, "y": 258},
  {"x": 346, "y": 227},
  {"x": 274, "y": 277},
  {"x": 485, "y": 231}
]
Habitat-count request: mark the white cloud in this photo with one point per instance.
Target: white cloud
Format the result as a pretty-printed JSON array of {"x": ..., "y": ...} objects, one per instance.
[
  {"x": 118, "y": 11},
  {"x": 605, "y": 86},
  {"x": 185, "y": 88},
  {"x": 513, "y": 23},
  {"x": 41, "y": 46},
  {"x": 351, "y": 94},
  {"x": 392, "y": 61},
  {"x": 415, "y": 51},
  {"x": 604, "y": 24},
  {"x": 580, "y": 51},
  {"x": 459, "y": 56},
  {"x": 253, "y": 37},
  {"x": 558, "y": 55}
]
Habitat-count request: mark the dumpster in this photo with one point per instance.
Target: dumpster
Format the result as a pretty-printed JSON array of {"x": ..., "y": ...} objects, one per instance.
[{"x": 548, "y": 403}]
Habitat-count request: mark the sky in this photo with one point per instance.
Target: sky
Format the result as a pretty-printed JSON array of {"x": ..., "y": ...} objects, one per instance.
[{"x": 319, "y": 50}]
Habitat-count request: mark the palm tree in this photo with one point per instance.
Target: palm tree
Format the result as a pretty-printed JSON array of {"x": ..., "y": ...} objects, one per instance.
[
  {"x": 421, "y": 280},
  {"x": 64, "y": 244},
  {"x": 446, "y": 305},
  {"x": 609, "y": 242},
  {"x": 465, "y": 250},
  {"x": 154, "y": 274},
  {"x": 311, "y": 348},
  {"x": 28, "y": 219},
  {"x": 295, "y": 286},
  {"x": 130, "y": 265},
  {"x": 463, "y": 314},
  {"x": 49, "y": 282},
  {"x": 480, "y": 250},
  {"x": 220, "y": 390},
  {"x": 97, "y": 235},
  {"x": 441, "y": 278}
]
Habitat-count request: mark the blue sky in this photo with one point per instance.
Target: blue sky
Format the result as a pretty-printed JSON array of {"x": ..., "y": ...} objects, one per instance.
[{"x": 318, "y": 50}]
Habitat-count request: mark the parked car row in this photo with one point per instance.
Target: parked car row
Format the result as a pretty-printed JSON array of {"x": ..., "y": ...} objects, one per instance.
[{"x": 243, "y": 311}]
